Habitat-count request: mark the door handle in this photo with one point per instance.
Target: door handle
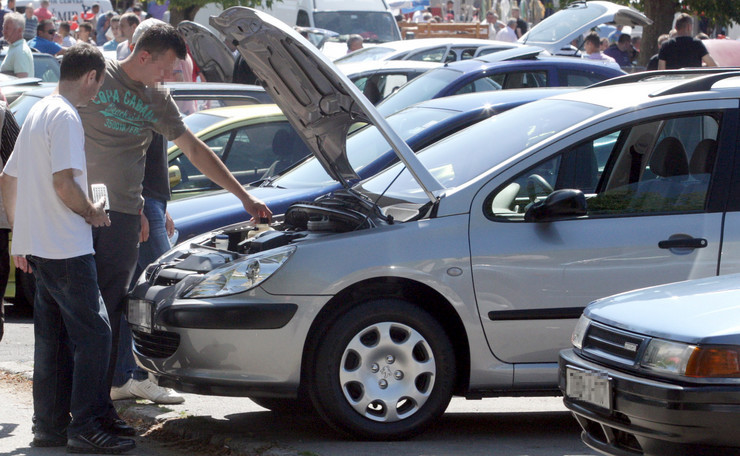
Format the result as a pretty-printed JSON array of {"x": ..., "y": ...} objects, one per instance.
[{"x": 686, "y": 243}]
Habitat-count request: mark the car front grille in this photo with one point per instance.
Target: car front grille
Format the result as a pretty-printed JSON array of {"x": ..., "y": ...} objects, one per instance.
[
  {"x": 158, "y": 344},
  {"x": 612, "y": 344}
]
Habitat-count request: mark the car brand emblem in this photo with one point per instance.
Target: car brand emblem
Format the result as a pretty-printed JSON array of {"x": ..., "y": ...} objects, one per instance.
[
  {"x": 386, "y": 372},
  {"x": 631, "y": 346}
]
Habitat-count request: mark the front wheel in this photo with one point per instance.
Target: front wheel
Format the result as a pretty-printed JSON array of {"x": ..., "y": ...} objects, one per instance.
[{"x": 383, "y": 370}]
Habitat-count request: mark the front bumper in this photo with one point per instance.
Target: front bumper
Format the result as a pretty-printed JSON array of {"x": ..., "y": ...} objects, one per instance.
[{"x": 655, "y": 417}]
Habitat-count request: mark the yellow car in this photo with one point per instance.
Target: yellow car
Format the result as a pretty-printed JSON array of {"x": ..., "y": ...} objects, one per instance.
[{"x": 255, "y": 142}]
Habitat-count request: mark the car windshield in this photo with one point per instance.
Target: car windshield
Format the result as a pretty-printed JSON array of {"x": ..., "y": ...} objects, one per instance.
[
  {"x": 367, "y": 54},
  {"x": 365, "y": 145},
  {"x": 563, "y": 23},
  {"x": 419, "y": 89},
  {"x": 373, "y": 26},
  {"x": 480, "y": 147}
]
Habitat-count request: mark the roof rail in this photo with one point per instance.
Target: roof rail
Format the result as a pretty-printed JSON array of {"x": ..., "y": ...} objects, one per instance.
[
  {"x": 700, "y": 84},
  {"x": 647, "y": 75}
]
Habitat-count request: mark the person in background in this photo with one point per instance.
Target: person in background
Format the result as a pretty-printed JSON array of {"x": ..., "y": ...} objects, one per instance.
[
  {"x": 494, "y": 25},
  {"x": 614, "y": 36},
  {"x": 604, "y": 44},
  {"x": 701, "y": 36},
  {"x": 44, "y": 185},
  {"x": 129, "y": 22},
  {"x": 44, "y": 41},
  {"x": 103, "y": 24},
  {"x": 653, "y": 63},
  {"x": 139, "y": 11},
  {"x": 115, "y": 26},
  {"x": 3, "y": 11},
  {"x": 622, "y": 51},
  {"x": 64, "y": 32},
  {"x": 32, "y": 22},
  {"x": 354, "y": 42},
  {"x": 9, "y": 132},
  {"x": 684, "y": 51},
  {"x": 11, "y": 5},
  {"x": 591, "y": 48},
  {"x": 84, "y": 33},
  {"x": 42, "y": 13},
  {"x": 508, "y": 33},
  {"x": 448, "y": 14},
  {"x": 18, "y": 60},
  {"x": 521, "y": 24}
]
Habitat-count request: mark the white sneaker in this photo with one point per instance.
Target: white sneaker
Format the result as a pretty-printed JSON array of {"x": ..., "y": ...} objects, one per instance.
[
  {"x": 146, "y": 389},
  {"x": 118, "y": 393}
]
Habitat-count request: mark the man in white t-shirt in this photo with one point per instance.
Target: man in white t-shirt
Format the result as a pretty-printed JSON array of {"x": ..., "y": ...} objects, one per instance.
[
  {"x": 508, "y": 33},
  {"x": 44, "y": 187}
]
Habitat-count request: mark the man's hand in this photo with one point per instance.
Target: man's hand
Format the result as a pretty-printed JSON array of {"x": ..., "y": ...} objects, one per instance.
[
  {"x": 256, "y": 208},
  {"x": 169, "y": 224},
  {"x": 144, "y": 233},
  {"x": 97, "y": 217},
  {"x": 22, "y": 263}
]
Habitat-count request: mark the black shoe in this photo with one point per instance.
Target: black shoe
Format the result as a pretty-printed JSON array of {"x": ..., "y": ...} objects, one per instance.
[
  {"x": 119, "y": 427},
  {"x": 48, "y": 439},
  {"x": 99, "y": 442}
]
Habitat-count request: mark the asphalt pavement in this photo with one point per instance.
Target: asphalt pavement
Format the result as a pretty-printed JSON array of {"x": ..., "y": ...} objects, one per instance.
[{"x": 207, "y": 425}]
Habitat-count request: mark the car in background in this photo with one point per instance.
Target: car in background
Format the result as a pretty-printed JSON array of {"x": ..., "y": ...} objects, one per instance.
[
  {"x": 463, "y": 268},
  {"x": 378, "y": 79},
  {"x": 556, "y": 33},
  {"x": 45, "y": 66},
  {"x": 657, "y": 371},
  {"x": 490, "y": 73},
  {"x": 255, "y": 142},
  {"x": 425, "y": 50},
  {"x": 419, "y": 125},
  {"x": 726, "y": 53}
]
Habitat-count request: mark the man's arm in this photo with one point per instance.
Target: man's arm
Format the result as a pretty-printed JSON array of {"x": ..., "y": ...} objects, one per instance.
[
  {"x": 9, "y": 187},
  {"x": 661, "y": 64},
  {"x": 209, "y": 164},
  {"x": 74, "y": 198},
  {"x": 709, "y": 61}
]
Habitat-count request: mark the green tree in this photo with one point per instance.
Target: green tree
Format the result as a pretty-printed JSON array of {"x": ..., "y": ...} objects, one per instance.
[{"x": 718, "y": 12}]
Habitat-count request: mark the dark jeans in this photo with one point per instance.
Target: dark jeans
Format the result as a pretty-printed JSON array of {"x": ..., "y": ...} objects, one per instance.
[
  {"x": 157, "y": 244},
  {"x": 116, "y": 251},
  {"x": 4, "y": 273},
  {"x": 72, "y": 346}
]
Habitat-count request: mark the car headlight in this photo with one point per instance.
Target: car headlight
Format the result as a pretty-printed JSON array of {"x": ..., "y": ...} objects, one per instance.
[
  {"x": 580, "y": 332},
  {"x": 691, "y": 360},
  {"x": 241, "y": 275},
  {"x": 667, "y": 357}
]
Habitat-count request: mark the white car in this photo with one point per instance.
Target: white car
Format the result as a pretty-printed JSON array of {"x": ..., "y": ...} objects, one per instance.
[
  {"x": 440, "y": 50},
  {"x": 461, "y": 270}
]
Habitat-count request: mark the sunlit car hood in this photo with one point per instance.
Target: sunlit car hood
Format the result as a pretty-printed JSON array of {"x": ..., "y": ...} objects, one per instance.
[
  {"x": 211, "y": 55},
  {"x": 557, "y": 31},
  {"x": 697, "y": 311},
  {"x": 318, "y": 100}
]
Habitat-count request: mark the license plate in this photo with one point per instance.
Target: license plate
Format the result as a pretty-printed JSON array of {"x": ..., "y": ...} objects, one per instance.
[
  {"x": 140, "y": 314},
  {"x": 589, "y": 386}
]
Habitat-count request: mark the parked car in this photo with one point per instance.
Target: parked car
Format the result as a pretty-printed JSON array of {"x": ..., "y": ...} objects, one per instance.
[
  {"x": 190, "y": 97},
  {"x": 461, "y": 269},
  {"x": 572, "y": 23},
  {"x": 490, "y": 73},
  {"x": 657, "y": 371},
  {"x": 254, "y": 142},
  {"x": 441, "y": 50},
  {"x": 378, "y": 79},
  {"x": 419, "y": 125},
  {"x": 45, "y": 66}
]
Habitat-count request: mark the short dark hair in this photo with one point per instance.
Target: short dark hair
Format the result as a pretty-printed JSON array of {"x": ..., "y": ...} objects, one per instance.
[
  {"x": 160, "y": 38},
  {"x": 130, "y": 18},
  {"x": 65, "y": 26},
  {"x": 42, "y": 25},
  {"x": 79, "y": 60},
  {"x": 624, "y": 38},
  {"x": 87, "y": 26},
  {"x": 593, "y": 38},
  {"x": 683, "y": 20}
]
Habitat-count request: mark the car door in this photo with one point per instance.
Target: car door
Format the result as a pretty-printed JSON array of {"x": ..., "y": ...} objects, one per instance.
[{"x": 648, "y": 221}]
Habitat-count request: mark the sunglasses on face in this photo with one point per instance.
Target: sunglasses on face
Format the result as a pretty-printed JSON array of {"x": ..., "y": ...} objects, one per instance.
[{"x": 51, "y": 31}]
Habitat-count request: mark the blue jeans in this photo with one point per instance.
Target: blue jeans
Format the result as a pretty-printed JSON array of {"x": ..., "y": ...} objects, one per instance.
[
  {"x": 72, "y": 346},
  {"x": 149, "y": 251}
]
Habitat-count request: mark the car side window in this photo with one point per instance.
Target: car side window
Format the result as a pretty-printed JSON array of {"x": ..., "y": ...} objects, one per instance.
[
  {"x": 191, "y": 178},
  {"x": 430, "y": 55},
  {"x": 388, "y": 83},
  {"x": 483, "y": 84},
  {"x": 659, "y": 167},
  {"x": 575, "y": 78}
]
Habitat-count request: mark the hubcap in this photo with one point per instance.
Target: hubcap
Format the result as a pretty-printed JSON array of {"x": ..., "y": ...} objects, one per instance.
[{"x": 387, "y": 372}]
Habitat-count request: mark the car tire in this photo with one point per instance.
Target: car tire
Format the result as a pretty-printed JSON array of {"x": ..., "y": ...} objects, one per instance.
[{"x": 383, "y": 370}]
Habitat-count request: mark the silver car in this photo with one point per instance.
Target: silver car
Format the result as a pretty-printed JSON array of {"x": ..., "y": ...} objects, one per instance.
[{"x": 461, "y": 270}]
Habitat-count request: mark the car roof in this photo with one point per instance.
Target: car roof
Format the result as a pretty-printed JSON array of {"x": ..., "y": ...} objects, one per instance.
[
  {"x": 360, "y": 67},
  {"x": 470, "y": 101},
  {"x": 242, "y": 112},
  {"x": 477, "y": 65},
  {"x": 181, "y": 87}
]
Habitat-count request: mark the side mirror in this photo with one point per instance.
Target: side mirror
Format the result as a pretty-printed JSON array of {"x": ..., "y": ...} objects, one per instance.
[
  {"x": 559, "y": 205},
  {"x": 174, "y": 174}
]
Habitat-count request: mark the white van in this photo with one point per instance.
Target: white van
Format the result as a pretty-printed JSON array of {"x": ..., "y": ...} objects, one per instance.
[
  {"x": 63, "y": 10},
  {"x": 372, "y": 19}
]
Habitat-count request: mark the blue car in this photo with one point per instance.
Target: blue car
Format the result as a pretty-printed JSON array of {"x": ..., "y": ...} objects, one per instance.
[
  {"x": 494, "y": 72},
  {"x": 419, "y": 125}
]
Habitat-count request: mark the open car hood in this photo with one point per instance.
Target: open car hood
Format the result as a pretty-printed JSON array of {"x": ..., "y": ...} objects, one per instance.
[
  {"x": 557, "y": 31},
  {"x": 210, "y": 53},
  {"x": 318, "y": 100}
]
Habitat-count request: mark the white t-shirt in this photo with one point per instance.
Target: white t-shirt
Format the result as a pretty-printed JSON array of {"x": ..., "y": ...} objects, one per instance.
[
  {"x": 507, "y": 34},
  {"x": 51, "y": 140}
]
